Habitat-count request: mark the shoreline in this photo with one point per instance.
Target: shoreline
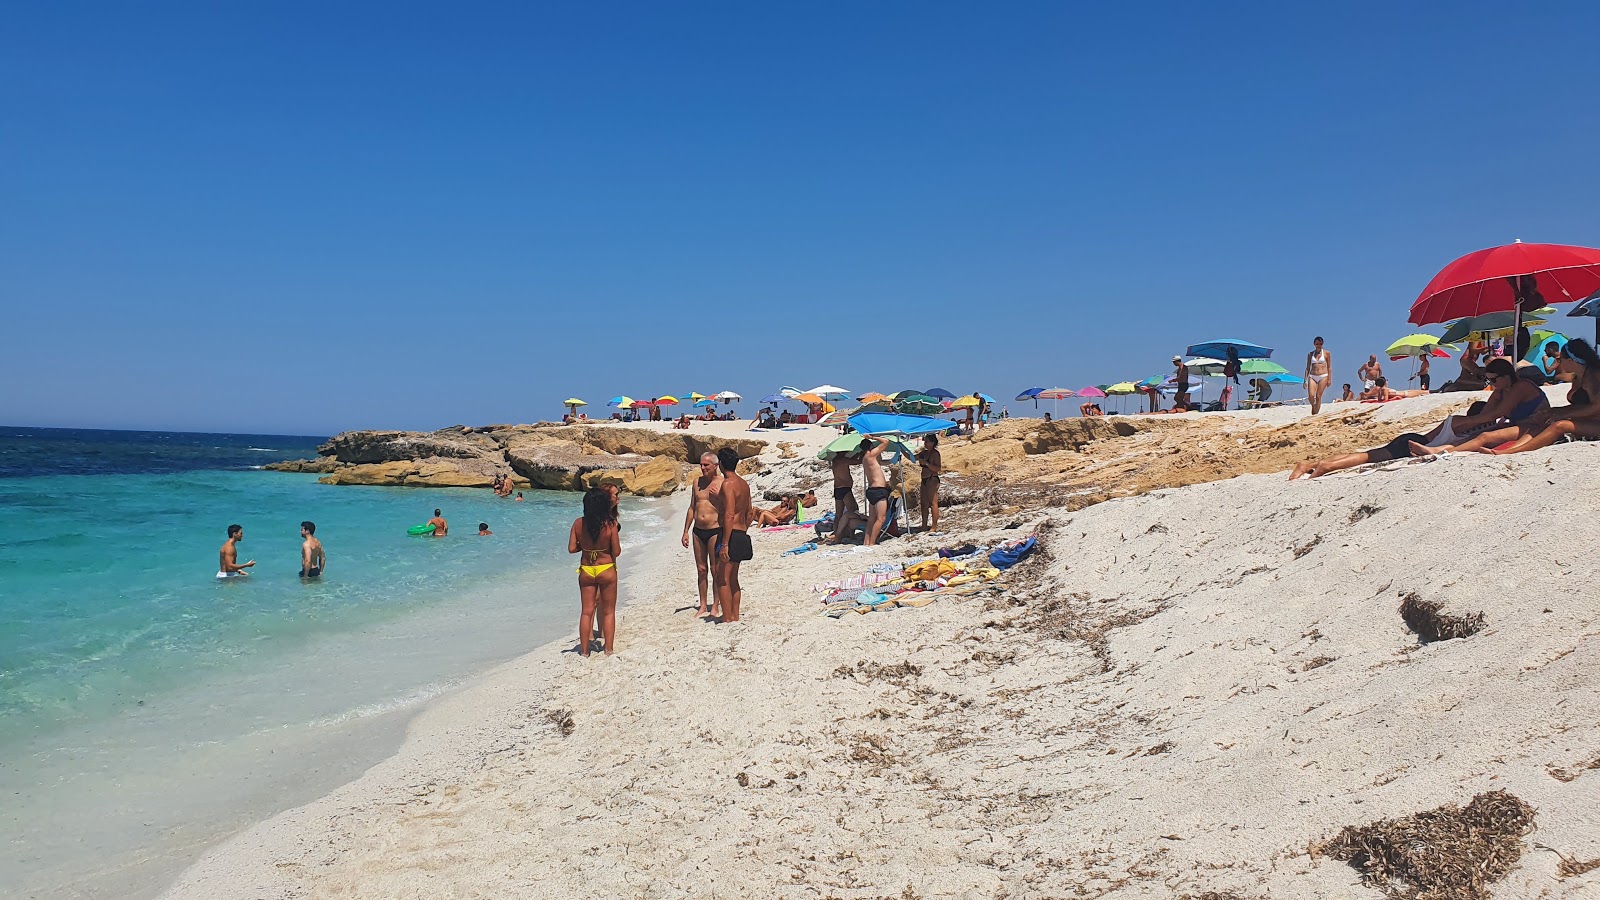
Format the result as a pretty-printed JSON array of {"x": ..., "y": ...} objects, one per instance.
[{"x": 1188, "y": 689}]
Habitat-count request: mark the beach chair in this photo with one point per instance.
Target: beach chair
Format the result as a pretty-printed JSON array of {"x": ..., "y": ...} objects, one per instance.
[{"x": 892, "y": 518}]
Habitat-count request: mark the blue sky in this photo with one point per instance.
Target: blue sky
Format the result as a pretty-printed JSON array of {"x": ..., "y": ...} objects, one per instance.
[{"x": 311, "y": 217}]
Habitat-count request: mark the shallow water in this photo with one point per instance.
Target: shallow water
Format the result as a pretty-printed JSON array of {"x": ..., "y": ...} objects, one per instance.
[{"x": 146, "y": 707}]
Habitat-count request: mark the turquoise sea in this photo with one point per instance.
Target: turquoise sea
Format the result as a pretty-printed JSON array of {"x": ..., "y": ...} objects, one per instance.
[{"x": 147, "y": 708}]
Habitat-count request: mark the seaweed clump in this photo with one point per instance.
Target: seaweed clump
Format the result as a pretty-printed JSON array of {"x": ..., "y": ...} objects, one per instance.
[
  {"x": 1431, "y": 623},
  {"x": 1449, "y": 853}
]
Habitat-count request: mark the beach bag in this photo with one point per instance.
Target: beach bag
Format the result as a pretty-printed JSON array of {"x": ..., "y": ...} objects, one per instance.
[{"x": 1008, "y": 555}]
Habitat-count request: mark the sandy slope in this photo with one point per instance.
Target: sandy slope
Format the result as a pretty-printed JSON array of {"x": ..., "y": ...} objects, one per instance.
[{"x": 1193, "y": 687}]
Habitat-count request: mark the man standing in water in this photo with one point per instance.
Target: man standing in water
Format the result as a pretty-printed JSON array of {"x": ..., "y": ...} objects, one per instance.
[
  {"x": 877, "y": 488},
  {"x": 704, "y": 522},
  {"x": 228, "y": 564},
  {"x": 734, "y": 548},
  {"x": 440, "y": 526},
  {"x": 312, "y": 559}
]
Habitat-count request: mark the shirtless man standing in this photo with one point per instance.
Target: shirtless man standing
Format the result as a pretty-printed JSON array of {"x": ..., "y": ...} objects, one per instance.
[
  {"x": 704, "y": 521},
  {"x": 1319, "y": 373},
  {"x": 1370, "y": 372},
  {"x": 877, "y": 489},
  {"x": 228, "y": 565},
  {"x": 844, "y": 494},
  {"x": 312, "y": 559},
  {"x": 932, "y": 468},
  {"x": 734, "y": 548}
]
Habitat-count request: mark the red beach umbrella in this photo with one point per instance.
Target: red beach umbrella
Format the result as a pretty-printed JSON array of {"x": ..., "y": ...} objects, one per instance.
[{"x": 1490, "y": 281}]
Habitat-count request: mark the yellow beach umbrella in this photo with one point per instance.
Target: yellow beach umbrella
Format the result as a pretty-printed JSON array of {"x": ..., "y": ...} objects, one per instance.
[
  {"x": 695, "y": 396},
  {"x": 964, "y": 402},
  {"x": 573, "y": 402},
  {"x": 1122, "y": 387},
  {"x": 808, "y": 398},
  {"x": 667, "y": 400}
]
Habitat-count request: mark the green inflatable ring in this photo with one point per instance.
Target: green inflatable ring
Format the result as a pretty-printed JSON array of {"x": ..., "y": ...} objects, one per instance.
[{"x": 420, "y": 529}]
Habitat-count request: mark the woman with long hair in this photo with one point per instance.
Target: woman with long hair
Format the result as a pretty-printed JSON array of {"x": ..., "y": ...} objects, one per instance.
[
  {"x": 1578, "y": 363},
  {"x": 595, "y": 536}
]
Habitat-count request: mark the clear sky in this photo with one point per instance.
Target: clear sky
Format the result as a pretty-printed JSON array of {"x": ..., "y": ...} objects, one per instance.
[{"x": 307, "y": 217}]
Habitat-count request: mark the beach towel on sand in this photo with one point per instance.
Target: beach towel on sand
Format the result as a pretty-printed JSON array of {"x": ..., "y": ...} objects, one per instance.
[{"x": 1009, "y": 554}]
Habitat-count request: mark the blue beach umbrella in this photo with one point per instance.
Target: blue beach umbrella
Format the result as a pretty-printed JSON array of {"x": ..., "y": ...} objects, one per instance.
[
  {"x": 1218, "y": 349},
  {"x": 892, "y": 423},
  {"x": 774, "y": 398},
  {"x": 984, "y": 397},
  {"x": 939, "y": 394},
  {"x": 706, "y": 402},
  {"x": 1590, "y": 308},
  {"x": 1029, "y": 394}
]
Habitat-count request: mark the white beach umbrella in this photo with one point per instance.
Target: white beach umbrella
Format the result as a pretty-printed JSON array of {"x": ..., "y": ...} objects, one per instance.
[
  {"x": 727, "y": 397},
  {"x": 830, "y": 392},
  {"x": 788, "y": 391}
]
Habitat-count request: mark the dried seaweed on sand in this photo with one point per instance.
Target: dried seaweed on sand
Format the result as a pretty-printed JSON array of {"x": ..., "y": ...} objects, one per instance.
[
  {"x": 1431, "y": 623},
  {"x": 1447, "y": 853}
]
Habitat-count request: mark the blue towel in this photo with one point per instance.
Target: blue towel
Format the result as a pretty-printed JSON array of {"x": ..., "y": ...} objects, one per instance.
[
  {"x": 803, "y": 548},
  {"x": 1008, "y": 556}
]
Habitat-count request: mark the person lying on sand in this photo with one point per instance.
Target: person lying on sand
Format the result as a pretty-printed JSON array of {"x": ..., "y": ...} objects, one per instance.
[
  {"x": 782, "y": 514},
  {"x": 1579, "y": 364},
  {"x": 1523, "y": 409},
  {"x": 1518, "y": 400}
]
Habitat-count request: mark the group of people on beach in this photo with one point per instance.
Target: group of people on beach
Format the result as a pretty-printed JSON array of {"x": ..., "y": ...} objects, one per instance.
[
  {"x": 503, "y": 487},
  {"x": 1516, "y": 417},
  {"x": 717, "y": 526}
]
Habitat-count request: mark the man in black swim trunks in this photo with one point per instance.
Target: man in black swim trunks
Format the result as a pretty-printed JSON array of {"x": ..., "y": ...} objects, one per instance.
[
  {"x": 734, "y": 547},
  {"x": 844, "y": 494},
  {"x": 312, "y": 558},
  {"x": 704, "y": 522},
  {"x": 877, "y": 488}
]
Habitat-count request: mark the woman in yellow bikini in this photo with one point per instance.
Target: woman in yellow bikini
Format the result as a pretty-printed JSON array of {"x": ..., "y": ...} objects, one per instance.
[{"x": 595, "y": 536}]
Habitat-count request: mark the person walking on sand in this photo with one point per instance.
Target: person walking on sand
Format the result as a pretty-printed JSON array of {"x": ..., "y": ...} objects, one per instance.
[
  {"x": 1319, "y": 374},
  {"x": 734, "y": 548},
  {"x": 1182, "y": 398},
  {"x": 313, "y": 560},
  {"x": 440, "y": 526},
  {"x": 594, "y": 534},
  {"x": 877, "y": 488},
  {"x": 932, "y": 468},
  {"x": 1370, "y": 372},
  {"x": 228, "y": 565},
  {"x": 704, "y": 522}
]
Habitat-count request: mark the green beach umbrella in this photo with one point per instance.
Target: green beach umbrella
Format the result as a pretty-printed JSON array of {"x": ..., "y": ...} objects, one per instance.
[
  {"x": 847, "y": 443},
  {"x": 1413, "y": 345}
]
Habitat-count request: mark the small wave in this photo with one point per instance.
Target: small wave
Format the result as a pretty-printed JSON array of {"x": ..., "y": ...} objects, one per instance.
[
  {"x": 264, "y": 449},
  {"x": 368, "y": 710}
]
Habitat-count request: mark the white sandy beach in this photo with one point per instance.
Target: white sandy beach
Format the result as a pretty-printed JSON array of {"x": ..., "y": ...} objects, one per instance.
[{"x": 1186, "y": 692}]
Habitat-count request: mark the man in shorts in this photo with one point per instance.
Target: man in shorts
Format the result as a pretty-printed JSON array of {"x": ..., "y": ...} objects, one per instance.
[{"x": 734, "y": 547}]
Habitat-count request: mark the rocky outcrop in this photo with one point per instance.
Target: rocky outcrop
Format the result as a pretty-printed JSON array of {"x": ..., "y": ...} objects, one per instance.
[
  {"x": 319, "y": 466},
  {"x": 430, "y": 472},
  {"x": 354, "y": 447},
  {"x": 567, "y": 467},
  {"x": 568, "y": 458}
]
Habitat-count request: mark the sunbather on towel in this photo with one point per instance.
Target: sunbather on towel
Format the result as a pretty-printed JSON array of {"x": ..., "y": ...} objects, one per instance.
[{"x": 782, "y": 514}]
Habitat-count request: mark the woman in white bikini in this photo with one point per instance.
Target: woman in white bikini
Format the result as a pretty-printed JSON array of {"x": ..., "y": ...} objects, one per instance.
[{"x": 1319, "y": 374}]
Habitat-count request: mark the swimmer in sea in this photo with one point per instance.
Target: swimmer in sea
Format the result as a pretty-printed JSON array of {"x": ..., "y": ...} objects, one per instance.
[
  {"x": 483, "y": 529},
  {"x": 229, "y": 565},
  {"x": 312, "y": 558},
  {"x": 440, "y": 526}
]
